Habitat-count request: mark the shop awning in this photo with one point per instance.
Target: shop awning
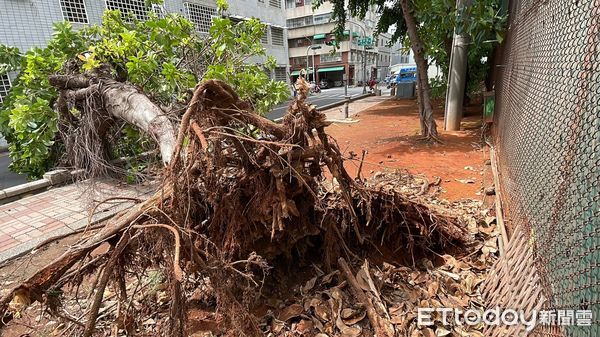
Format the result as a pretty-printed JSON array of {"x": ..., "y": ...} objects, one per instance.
[
  {"x": 326, "y": 70},
  {"x": 319, "y": 36},
  {"x": 297, "y": 72}
]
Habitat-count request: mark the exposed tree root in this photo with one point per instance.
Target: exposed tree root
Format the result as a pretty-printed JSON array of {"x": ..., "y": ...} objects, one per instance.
[{"x": 239, "y": 194}]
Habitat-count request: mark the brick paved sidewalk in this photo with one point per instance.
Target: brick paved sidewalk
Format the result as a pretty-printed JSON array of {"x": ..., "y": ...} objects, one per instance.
[{"x": 27, "y": 222}]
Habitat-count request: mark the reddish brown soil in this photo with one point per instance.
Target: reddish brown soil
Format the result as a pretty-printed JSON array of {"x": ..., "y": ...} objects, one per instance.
[{"x": 389, "y": 132}]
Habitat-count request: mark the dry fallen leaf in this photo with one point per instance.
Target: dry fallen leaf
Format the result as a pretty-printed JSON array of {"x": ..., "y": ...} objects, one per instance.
[
  {"x": 351, "y": 332},
  {"x": 291, "y": 311},
  {"x": 309, "y": 285},
  {"x": 432, "y": 288},
  {"x": 351, "y": 316},
  {"x": 327, "y": 278},
  {"x": 440, "y": 331}
]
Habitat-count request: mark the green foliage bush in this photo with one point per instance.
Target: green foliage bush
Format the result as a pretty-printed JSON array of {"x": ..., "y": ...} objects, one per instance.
[{"x": 164, "y": 56}]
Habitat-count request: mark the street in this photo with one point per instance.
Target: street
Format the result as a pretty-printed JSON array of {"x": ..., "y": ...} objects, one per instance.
[
  {"x": 325, "y": 97},
  {"x": 7, "y": 177}
]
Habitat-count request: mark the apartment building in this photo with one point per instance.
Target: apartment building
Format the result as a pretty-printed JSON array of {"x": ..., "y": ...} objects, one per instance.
[
  {"x": 28, "y": 23},
  {"x": 310, "y": 42}
]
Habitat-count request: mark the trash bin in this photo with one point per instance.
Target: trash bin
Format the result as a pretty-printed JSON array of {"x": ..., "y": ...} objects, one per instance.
[{"x": 405, "y": 90}]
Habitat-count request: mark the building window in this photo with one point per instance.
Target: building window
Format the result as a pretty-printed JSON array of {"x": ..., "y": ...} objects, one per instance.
[
  {"x": 158, "y": 10},
  {"x": 265, "y": 38},
  {"x": 277, "y": 36},
  {"x": 201, "y": 16},
  {"x": 275, "y": 3},
  {"x": 299, "y": 22},
  {"x": 298, "y": 61},
  {"x": 337, "y": 57},
  {"x": 267, "y": 72},
  {"x": 404, "y": 58},
  {"x": 280, "y": 74},
  {"x": 290, "y": 4},
  {"x": 322, "y": 18},
  {"x": 302, "y": 42},
  {"x": 136, "y": 7},
  {"x": 4, "y": 87},
  {"x": 74, "y": 11}
]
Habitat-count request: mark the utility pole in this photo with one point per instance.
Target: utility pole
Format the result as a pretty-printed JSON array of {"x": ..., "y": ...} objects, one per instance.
[
  {"x": 457, "y": 75},
  {"x": 314, "y": 68},
  {"x": 313, "y": 47},
  {"x": 364, "y": 55},
  {"x": 364, "y": 69}
]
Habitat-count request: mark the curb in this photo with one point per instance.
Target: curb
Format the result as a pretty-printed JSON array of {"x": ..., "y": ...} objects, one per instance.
[
  {"x": 51, "y": 178},
  {"x": 352, "y": 99},
  {"x": 333, "y": 105}
]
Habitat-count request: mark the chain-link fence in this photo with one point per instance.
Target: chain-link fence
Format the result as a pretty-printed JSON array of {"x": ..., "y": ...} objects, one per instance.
[{"x": 547, "y": 131}]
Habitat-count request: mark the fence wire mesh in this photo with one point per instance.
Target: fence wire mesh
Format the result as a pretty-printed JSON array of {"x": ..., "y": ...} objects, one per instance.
[{"x": 548, "y": 137}]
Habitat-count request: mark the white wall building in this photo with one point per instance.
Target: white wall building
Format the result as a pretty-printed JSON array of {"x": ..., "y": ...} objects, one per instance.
[
  {"x": 28, "y": 23},
  {"x": 308, "y": 27}
]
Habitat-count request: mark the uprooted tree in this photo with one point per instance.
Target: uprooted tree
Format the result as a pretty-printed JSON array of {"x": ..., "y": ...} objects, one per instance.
[
  {"x": 71, "y": 98},
  {"x": 241, "y": 193},
  {"x": 242, "y": 198}
]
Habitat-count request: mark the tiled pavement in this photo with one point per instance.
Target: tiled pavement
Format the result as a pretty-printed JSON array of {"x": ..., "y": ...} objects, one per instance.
[{"x": 27, "y": 222}]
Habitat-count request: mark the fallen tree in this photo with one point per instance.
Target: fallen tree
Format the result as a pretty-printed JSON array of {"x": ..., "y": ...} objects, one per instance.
[
  {"x": 242, "y": 198},
  {"x": 116, "y": 99}
]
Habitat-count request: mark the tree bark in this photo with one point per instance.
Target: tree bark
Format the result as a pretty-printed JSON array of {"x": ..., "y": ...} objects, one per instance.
[
  {"x": 418, "y": 48},
  {"x": 123, "y": 101}
]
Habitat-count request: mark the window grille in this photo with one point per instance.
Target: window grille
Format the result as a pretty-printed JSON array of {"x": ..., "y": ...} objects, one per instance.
[
  {"x": 265, "y": 38},
  {"x": 322, "y": 18},
  {"x": 74, "y": 11},
  {"x": 201, "y": 16},
  {"x": 277, "y": 36},
  {"x": 299, "y": 22},
  {"x": 280, "y": 74},
  {"x": 337, "y": 57},
  {"x": 136, "y": 7},
  {"x": 275, "y": 3},
  {"x": 158, "y": 10},
  {"x": 4, "y": 86}
]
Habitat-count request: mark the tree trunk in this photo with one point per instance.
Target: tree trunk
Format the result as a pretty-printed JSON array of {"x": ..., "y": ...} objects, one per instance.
[
  {"x": 125, "y": 102},
  {"x": 417, "y": 46},
  {"x": 133, "y": 107}
]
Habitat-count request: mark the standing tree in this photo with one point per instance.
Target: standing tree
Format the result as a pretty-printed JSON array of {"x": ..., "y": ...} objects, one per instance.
[
  {"x": 427, "y": 26},
  {"x": 406, "y": 24}
]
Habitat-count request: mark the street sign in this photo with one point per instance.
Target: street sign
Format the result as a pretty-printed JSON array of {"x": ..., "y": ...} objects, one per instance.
[{"x": 365, "y": 41}]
